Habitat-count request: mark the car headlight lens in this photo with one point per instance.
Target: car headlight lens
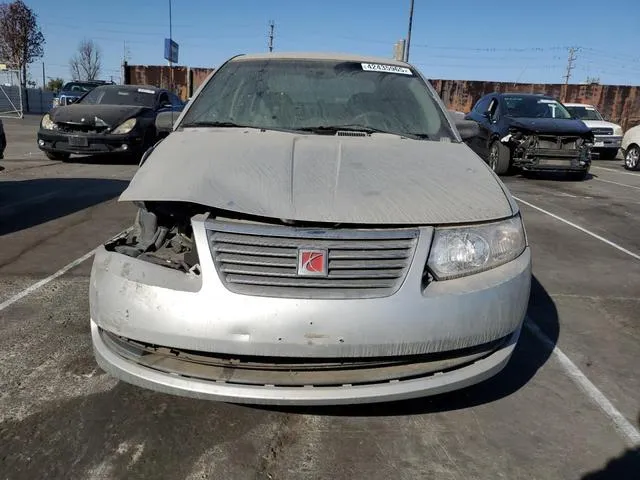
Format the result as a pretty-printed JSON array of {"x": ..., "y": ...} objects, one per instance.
[
  {"x": 460, "y": 251},
  {"x": 48, "y": 124},
  {"x": 617, "y": 131},
  {"x": 125, "y": 127}
]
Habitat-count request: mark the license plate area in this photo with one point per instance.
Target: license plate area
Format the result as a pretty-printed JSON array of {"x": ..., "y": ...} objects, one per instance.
[
  {"x": 77, "y": 141},
  {"x": 598, "y": 144},
  {"x": 555, "y": 162}
]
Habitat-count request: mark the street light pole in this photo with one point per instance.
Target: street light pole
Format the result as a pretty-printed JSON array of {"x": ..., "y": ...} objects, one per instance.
[{"x": 406, "y": 53}]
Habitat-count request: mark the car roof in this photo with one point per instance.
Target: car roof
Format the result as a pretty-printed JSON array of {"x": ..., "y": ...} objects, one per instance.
[
  {"x": 520, "y": 94},
  {"x": 346, "y": 57},
  {"x": 577, "y": 105},
  {"x": 134, "y": 87}
]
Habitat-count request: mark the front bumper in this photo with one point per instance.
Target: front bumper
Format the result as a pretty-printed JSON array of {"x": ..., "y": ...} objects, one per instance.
[
  {"x": 147, "y": 303},
  {"x": 607, "y": 142},
  {"x": 88, "y": 144}
]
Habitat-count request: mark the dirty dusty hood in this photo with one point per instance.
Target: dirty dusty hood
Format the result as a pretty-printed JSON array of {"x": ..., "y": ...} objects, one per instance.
[
  {"x": 112, "y": 115},
  {"x": 557, "y": 126},
  {"x": 380, "y": 179}
]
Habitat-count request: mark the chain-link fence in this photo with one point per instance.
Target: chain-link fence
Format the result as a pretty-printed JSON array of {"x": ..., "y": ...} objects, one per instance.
[{"x": 10, "y": 94}]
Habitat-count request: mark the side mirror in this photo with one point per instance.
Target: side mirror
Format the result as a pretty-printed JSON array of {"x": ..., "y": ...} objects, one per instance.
[
  {"x": 467, "y": 128},
  {"x": 164, "y": 122}
]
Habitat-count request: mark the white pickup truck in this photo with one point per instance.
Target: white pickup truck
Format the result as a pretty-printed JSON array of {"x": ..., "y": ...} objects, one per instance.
[{"x": 608, "y": 136}]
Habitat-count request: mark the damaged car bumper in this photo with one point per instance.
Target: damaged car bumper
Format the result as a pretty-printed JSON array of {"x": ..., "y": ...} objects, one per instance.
[
  {"x": 235, "y": 330},
  {"x": 547, "y": 152},
  {"x": 88, "y": 144}
]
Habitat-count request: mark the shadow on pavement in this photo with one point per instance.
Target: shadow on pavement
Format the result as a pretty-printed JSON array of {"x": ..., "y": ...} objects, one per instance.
[
  {"x": 624, "y": 467},
  {"x": 27, "y": 203},
  {"x": 556, "y": 176},
  {"x": 530, "y": 354},
  {"x": 103, "y": 160}
]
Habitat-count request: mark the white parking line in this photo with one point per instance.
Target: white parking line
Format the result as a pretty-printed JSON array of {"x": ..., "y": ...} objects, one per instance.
[
  {"x": 616, "y": 183},
  {"x": 617, "y": 171},
  {"x": 44, "y": 281},
  {"x": 630, "y": 433},
  {"x": 582, "y": 229}
]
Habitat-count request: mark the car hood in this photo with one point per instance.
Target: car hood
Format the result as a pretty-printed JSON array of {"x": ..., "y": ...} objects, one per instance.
[
  {"x": 550, "y": 125},
  {"x": 599, "y": 124},
  {"x": 380, "y": 179},
  {"x": 111, "y": 115}
]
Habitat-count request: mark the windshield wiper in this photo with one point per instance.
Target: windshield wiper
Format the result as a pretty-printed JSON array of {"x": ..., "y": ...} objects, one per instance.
[{"x": 333, "y": 129}]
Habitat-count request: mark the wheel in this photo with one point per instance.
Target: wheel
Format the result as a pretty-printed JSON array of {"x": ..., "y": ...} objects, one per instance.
[
  {"x": 57, "y": 156},
  {"x": 499, "y": 158},
  {"x": 609, "y": 154},
  {"x": 632, "y": 158}
]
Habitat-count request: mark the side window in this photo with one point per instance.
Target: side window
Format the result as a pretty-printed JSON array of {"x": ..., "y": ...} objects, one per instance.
[
  {"x": 163, "y": 98},
  {"x": 482, "y": 105},
  {"x": 494, "y": 108}
]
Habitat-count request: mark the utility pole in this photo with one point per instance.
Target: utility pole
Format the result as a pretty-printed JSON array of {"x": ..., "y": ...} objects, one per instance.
[
  {"x": 570, "y": 64},
  {"x": 408, "y": 44},
  {"x": 43, "y": 76},
  {"x": 272, "y": 25}
]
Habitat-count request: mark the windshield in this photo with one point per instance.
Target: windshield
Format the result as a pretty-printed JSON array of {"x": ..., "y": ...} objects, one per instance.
[
  {"x": 114, "y": 95},
  {"x": 307, "y": 94},
  {"x": 79, "y": 87},
  {"x": 535, "y": 107},
  {"x": 584, "y": 113}
]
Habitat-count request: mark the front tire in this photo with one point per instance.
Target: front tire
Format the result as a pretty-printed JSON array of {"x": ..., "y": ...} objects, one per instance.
[
  {"x": 58, "y": 156},
  {"x": 632, "y": 158},
  {"x": 499, "y": 158}
]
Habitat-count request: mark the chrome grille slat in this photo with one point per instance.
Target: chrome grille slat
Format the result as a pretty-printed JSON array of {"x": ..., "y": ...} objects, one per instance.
[
  {"x": 264, "y": 271},
  {"x": 289, "y": 242},
  {"x": 255, "y": 259},
  {"x": 366, "y": 264},
  {"x": 266, "y": 261},
  {"x": 307, "y": 282}
]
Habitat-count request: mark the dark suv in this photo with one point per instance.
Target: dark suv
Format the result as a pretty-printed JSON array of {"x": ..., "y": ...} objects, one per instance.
[{"x": 71, "y": 91}]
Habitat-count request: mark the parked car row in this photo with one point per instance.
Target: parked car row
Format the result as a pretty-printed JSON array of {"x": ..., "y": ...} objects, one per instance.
[
  {"x": 108, "y": 119},
  {"x": 535, "y": 132}
]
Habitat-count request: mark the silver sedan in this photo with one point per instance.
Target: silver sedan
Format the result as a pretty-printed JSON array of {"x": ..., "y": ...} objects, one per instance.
[{"x": 313, "y": 230}]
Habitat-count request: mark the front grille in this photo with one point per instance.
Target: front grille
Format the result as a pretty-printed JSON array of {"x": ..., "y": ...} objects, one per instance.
[
  {"x": 602, "y": 131},
  {"x": 80, "y": 128},
  {"x": 257, "y": 259},
  {"x": 556, "y": 142}
]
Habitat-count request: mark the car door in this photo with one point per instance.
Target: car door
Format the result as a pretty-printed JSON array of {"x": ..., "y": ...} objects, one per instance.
[{"x": 480, "y": 114}]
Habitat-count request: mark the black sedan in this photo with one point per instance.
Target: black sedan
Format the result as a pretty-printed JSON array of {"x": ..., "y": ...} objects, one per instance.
[
  {"x": 110, "y": 119},
  {"x": 530, "y": 132}
]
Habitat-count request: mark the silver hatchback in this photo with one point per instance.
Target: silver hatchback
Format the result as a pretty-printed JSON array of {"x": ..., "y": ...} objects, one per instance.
[{"x": 312, "y": 231}]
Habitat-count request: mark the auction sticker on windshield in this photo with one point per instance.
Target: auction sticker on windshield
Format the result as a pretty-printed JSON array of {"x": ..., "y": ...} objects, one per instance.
[{"x": 377, "y": 67}]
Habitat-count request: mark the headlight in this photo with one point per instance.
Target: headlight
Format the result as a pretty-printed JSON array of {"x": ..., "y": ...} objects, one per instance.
[
  {"x": 125, "y": 127},
  {"x": 48, "y": 124},
  {"x": 461, "y": 251},
  {"x": 617, "y": 131}
]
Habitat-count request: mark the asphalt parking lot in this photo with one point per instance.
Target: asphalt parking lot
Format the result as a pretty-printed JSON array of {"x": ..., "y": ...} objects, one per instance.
[{"x": 566, "y": 407}]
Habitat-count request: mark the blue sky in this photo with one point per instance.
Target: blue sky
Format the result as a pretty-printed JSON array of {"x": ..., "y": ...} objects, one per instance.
[{"x": 461, "y": 39}]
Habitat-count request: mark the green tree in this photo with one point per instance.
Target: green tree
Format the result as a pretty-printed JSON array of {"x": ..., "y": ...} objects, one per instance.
[{"x": 54, "y": 84}]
